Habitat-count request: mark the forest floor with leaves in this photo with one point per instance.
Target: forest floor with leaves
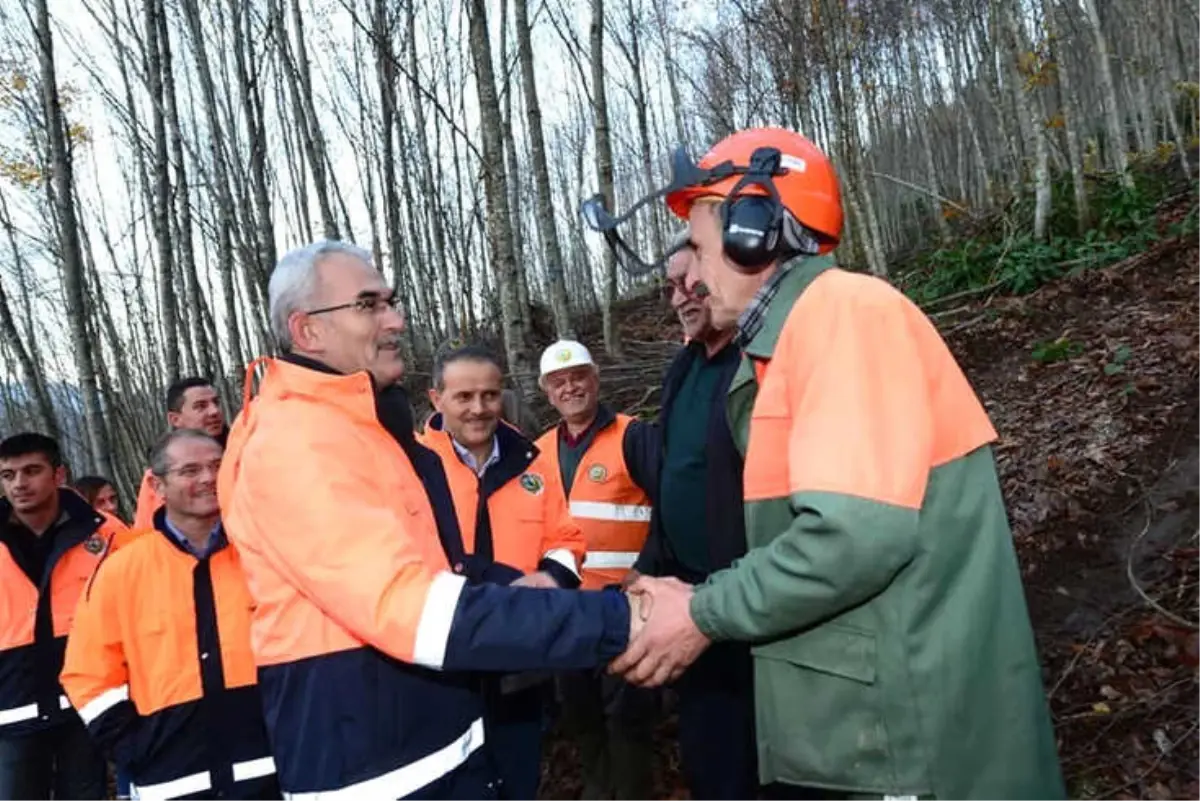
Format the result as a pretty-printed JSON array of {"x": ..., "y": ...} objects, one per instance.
[{"x": 1091, "y": 382}]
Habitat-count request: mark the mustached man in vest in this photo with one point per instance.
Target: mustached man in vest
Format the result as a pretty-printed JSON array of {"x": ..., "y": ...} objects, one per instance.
[
  {"x": 893, "y": 653},
  {"x": 697, "y": 529},
  {"x": 192, "y": 402},
  {"x": 51, "y": 541},
  {"x": 608, "y": 466},
  {"x": 158, "y": 662},
  {"x": 515, "y": 528}
]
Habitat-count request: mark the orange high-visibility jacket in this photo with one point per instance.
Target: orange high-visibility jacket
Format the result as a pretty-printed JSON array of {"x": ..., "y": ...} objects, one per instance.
[
  {"x": 148, "y": 503},
  {"x": 366, "y": 641},
  {"x": 159, "y": 666},
  {"x": 604, "y": 499},
  {"x": 522, "y": 520},
  {"x": 36, "y": 614}
]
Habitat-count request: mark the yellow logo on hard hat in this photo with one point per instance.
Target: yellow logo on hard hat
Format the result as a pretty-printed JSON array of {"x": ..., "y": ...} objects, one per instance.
[{"x": 564, "y": 355}]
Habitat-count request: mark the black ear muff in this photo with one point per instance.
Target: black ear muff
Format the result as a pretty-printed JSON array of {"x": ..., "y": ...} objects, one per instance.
[{"x": 752, "y": 229}]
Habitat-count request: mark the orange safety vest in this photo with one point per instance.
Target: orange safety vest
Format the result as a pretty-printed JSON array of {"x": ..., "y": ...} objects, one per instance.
[
  {"x": 612, "y": 510},
  {"x": 528, "y": 514},
  {"x": 35, "y": 620},
  {"x": 160, "y": 668}
]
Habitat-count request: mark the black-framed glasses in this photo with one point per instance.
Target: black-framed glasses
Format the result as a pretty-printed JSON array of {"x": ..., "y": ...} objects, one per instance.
[
  {"x": 193, "y": 470},
  {"x": 367, "y": 304}
]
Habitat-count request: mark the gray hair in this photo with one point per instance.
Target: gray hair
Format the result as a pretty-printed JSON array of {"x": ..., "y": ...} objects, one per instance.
[
  {"x": 159, "y": 463},
  {"x": 294, "y": 281}
]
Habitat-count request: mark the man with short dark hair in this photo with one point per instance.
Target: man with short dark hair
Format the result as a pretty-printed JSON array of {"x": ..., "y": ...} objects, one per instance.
[
  {"x": 515, "y": 529},
  {"x": 51, "y": 542},
  {"x": 192, "y": 402},
  {"x": 159, "y": 661}
]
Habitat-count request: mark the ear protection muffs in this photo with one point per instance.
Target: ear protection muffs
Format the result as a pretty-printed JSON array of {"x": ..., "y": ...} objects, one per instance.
[{"x": 752, "y": 225}]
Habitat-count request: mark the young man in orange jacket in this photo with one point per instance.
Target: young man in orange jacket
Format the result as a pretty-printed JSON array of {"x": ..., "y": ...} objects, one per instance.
[
  {"x": 515, "y": 527},
  {"x": 50, "y": 543}
]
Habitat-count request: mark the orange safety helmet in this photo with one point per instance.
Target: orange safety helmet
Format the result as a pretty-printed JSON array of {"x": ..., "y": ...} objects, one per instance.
[{"x": 807, "y": 186}]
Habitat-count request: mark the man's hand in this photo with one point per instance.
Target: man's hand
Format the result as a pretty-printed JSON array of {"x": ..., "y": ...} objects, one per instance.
[
  {"x": 639, "y": 611},
  {"x": 668, "y": 641},
  {"x": 630, "y": 577},
  {"x": 541, "y": 579}
]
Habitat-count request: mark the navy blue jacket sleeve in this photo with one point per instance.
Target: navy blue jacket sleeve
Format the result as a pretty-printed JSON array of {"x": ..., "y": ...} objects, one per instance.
[{"x": 505, "y": 629}]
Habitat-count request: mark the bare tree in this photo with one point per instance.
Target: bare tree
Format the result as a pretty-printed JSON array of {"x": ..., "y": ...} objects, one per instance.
[{"x": 68, "y": 240}]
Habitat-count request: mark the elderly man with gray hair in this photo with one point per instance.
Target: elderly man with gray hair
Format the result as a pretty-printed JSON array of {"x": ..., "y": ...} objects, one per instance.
[{"x": 365, "y": 635}]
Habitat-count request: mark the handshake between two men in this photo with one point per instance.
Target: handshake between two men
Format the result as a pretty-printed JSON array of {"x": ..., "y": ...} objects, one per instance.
[{"x": 663, "y": 639}]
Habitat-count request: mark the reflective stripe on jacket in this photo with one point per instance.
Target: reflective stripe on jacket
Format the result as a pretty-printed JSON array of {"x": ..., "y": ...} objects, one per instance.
[
  {"x": 35, "y": 618},
  {"x": 365, "y": 640},
  {"x": 159, "y": 666},
  {"x": 612, "y": 510}
]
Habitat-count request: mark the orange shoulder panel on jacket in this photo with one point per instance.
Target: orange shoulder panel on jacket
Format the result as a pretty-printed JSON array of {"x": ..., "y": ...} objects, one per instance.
[
  {"x": 866, "y": 395},
  {"x": 335, "y": 533}
]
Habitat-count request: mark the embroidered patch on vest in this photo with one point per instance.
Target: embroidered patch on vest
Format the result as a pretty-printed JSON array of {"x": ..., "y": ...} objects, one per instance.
[
  {"x": 94, "y": 544},
  {"x": 532, "y": 483},
  {"x": 597, "y": 473}
]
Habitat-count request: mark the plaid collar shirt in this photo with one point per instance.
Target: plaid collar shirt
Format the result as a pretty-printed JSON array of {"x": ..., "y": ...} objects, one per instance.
[{"x": 751, "y": 320}]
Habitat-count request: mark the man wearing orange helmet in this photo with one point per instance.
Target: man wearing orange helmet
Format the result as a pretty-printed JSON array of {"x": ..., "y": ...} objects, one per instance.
[{"x": 892, "y": 646}]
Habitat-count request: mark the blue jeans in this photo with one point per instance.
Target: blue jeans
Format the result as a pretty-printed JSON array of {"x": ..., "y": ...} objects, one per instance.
[{"x": 61, "y": 762}]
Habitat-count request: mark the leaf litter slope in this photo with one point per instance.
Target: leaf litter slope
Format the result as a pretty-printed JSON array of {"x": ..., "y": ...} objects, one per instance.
[{"x": 1091, "y": 382}]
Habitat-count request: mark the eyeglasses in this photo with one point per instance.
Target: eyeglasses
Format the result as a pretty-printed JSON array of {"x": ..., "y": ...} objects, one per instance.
[
  {"x": 190, "y": 471},
  {"x": 367, "y": 304}
]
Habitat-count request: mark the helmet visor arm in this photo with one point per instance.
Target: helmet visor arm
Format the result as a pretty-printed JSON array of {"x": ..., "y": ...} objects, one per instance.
[
  {"x": 684, "y": 173},
  {"x": 614, "y": 230}
]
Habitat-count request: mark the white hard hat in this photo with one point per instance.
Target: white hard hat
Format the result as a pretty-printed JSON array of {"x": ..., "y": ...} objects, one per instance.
[{"x": 564, "y": 354}]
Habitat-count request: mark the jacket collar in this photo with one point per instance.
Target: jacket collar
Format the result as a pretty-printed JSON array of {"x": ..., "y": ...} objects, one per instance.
[
  {"x": 73, "y": 511},
  {"x": 605, "y": 417},
  {"x": 517, "y": 452},
  {"x": 799, "y": 274},
  {"x": 295, "y": 375}
]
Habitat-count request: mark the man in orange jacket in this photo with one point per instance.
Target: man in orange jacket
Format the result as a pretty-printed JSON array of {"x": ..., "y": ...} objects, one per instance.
[
  {"x": 192, "y": 402},
  {"x": 368, "y": 641},
  {"x": 158, "y": 662},
  {"x": 50, "y": 543},
  {"x": 512, "y": 514}
]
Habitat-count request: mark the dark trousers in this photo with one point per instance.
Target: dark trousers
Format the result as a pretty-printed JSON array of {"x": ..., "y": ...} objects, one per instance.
[
  {"x": 716, "y": 724},
  {"x": 61, "y": 762},
  {"x": 612, "y": 722},
  {"x": 778, "y": 791},
  {"x": 513, "y": 725},
  {"x": 474, "y": 779}
]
